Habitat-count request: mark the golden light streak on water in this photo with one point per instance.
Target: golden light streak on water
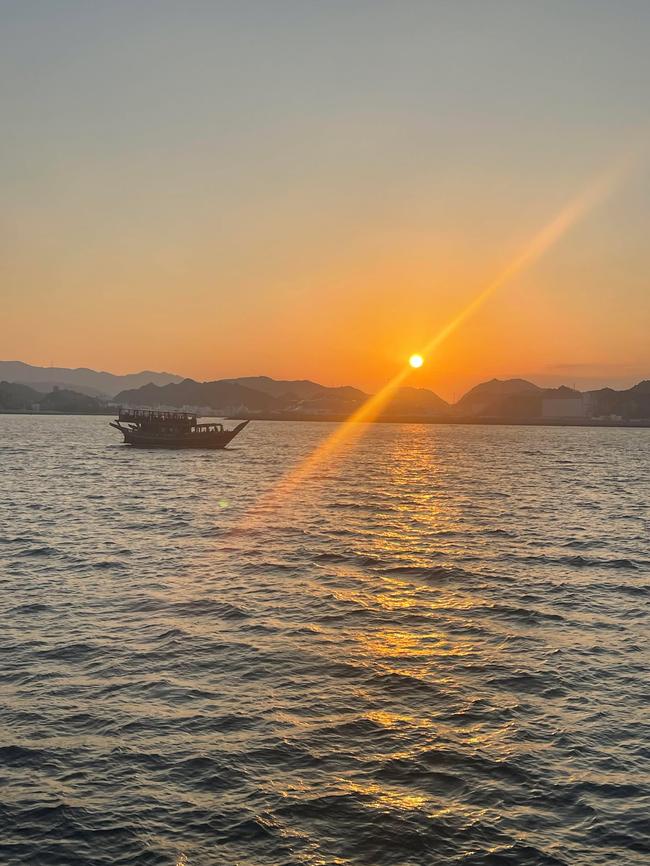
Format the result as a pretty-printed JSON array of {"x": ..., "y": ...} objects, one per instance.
[
  {"x": 345, "y": 434},
  {"x": 351, "y": 429}
]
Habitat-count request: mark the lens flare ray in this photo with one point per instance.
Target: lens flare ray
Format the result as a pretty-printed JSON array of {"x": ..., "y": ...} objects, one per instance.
[{"x": 351, "y": 429}]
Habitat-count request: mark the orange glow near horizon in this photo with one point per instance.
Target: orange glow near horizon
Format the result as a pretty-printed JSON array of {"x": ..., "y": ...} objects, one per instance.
[
  {"x": 350, "y": 314},
  {"x": 348, "y": 431},
  {"x": 288, "y": 227}
]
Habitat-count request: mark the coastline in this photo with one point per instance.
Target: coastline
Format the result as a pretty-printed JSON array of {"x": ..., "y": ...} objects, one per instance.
[
  {"x": 51, "y": 412},
  {"x": 400, "y": 419},
  {"x": 425, "y": 419}
]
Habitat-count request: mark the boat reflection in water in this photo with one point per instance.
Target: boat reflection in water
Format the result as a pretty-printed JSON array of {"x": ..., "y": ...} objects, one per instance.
[{"x": 150, "y": 429}]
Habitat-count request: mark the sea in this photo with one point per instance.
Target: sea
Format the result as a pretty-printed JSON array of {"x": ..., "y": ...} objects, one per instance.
[{"x": 431, "y": 649}]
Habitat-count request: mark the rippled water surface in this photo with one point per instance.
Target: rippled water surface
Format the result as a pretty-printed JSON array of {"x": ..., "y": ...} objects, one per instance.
[{"x": 434, "y": 651}]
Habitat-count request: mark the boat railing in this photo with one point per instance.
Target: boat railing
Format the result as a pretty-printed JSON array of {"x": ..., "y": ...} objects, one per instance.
[{"x": 153, "y": 416}]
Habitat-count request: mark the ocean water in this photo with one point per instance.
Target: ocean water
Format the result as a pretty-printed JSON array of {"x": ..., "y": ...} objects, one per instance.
[{"x": 433, "y": 651}]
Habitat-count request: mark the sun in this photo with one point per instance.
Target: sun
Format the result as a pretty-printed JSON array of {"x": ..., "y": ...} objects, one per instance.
[{"x": 416, "y": 361}]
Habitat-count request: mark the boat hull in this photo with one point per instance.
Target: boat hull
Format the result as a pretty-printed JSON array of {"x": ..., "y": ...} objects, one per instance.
[{"x": 211, "y": 440}]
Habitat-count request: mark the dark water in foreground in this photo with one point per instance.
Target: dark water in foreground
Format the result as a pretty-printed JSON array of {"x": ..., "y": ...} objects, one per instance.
[{"x": 435, "y": 652}]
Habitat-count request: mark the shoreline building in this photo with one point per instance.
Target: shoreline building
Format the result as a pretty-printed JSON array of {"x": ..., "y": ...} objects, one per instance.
[{"x": 564, "y": 403}]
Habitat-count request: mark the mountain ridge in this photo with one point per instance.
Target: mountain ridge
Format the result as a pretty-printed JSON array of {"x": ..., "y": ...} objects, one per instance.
[
  {"x": 18, "y": 397},
  {"x": 95, "y": 383},
  {"x": 231, "y": 395},
  {"x": 507, "y": 399}
]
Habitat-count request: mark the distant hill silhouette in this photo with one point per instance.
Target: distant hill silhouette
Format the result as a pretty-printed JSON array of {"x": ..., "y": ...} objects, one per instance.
[
  {"x": 517, "y": 399},
  {"x": 15, "y": 397},
  {"x": 484, "y": 399},
  {"x": 221, "y": 396},
  {"x": 417, "y": 401},
  {"x": 530, "y": 403},
  {"x": 298, "y": 389},
  {"x": 262, "y": 394},
  {"x": 513, "y": 400},
  {"x": 632, "y": 403},
  {"x": 304, "y": 395},
  {"x": 507, "y": 399},
  {"x": 81, "y": 379}
]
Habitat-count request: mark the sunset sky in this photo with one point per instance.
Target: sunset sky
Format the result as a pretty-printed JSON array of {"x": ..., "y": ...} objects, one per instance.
[{"x": 314, "y": 189}]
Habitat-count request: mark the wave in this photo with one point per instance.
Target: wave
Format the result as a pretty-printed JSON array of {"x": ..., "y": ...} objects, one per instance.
[{"x": 446, "y": 666}]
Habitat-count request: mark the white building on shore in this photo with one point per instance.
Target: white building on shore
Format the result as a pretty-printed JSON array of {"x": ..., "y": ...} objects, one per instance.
[{"x": 569, "y": 405}]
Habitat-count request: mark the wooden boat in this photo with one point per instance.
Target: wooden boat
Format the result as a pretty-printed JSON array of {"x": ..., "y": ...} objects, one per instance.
[{"x": 150, "y": 429}]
